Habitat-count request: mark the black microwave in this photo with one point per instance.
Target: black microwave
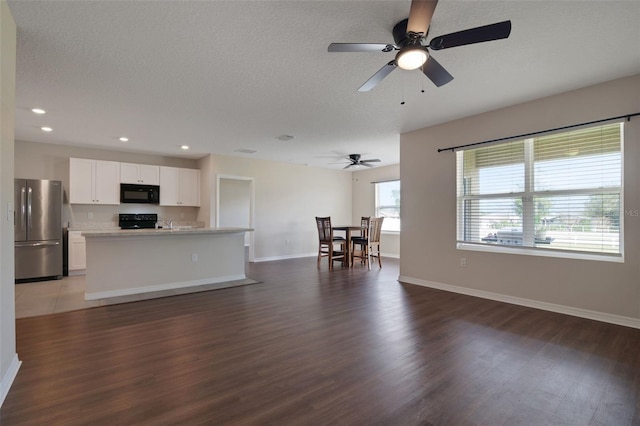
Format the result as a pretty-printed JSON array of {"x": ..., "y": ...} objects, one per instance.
[{"x": 142, "y": 194}]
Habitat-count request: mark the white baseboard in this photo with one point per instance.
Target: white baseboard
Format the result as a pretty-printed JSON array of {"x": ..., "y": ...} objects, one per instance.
[
  {"x": 223, "y": 281},
  {"x": 297, "y": 256},
  {"x": 9, "y": 377},
  {"x": 561, "y": 309},
  {"x": 284, "y": 257}
]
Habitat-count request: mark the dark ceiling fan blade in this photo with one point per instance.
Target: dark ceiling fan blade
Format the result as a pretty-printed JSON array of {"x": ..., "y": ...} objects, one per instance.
[
  {"x": 348, "y": 165},
  {"x": 473, "y": 35},
  {"x": 420, "y": 16},
  {"x": 360, "y": 47},
  {"x": 377, "y": 77},
  {"x": 362, "y": 163},
  {"x": 374, "y": 160},
  {"x": 436, "y": 72}
]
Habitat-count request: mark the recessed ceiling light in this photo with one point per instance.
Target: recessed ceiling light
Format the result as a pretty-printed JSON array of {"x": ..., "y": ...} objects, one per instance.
[
  {"x": 46, "y": 129},
  {"x": 38, "y": 111},
  {"x": 124, "y": 139},
  {"x": 284, "y": 138},
  {"x": 185, "y": 147},
  {"x": 246, "y": 150}
]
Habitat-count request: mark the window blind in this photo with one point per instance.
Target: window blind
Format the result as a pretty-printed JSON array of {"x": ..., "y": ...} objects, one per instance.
[
  {"x": 387, "y": 204},
  {"x": 560, "y": 191}
]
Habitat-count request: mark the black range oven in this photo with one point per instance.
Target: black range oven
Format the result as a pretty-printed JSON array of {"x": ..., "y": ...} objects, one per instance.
[{"x": 137, "y": 220}]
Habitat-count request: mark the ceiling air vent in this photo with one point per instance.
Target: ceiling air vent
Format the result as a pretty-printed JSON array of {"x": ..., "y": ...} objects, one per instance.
[
  {"x": 246, "y": 151},
  {"x": 284, "y": 138}
]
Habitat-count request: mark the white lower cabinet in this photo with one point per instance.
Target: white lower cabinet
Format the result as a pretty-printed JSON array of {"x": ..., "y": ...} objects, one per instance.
[{"x": 77, "y": 253}]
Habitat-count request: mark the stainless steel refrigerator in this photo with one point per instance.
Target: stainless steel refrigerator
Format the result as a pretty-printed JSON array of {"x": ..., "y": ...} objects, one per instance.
[{"x": 38, "y": 229}]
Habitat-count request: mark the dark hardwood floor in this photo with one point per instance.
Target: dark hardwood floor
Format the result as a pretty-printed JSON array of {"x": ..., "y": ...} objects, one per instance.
[{"x": 309, "y": 346}]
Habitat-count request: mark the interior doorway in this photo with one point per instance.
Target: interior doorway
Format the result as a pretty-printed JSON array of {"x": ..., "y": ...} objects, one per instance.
[{"x": 235, "y": 201}]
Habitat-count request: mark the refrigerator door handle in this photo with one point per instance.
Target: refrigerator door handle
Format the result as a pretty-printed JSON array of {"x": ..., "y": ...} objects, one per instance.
[
  {"x": 38, "y": 244},
  {"x": 29, "y": 206},
  {"x": 22, "y": 207}
]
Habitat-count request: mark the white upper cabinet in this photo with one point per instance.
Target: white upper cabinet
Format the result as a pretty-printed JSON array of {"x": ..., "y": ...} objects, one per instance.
[
  {"x": 94, "y": 181},
  {"x": 189, "y": 181},
  {"x": 143, "y": 174},
  {"x": 169, "y": 186},
  {"x": 179, "y": 187}
]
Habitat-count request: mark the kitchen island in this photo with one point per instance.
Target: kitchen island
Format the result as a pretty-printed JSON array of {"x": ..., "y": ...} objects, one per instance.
[{"x": 125, "y": 262}]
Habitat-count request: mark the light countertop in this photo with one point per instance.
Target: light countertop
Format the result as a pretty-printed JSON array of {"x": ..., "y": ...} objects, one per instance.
[{"x": 159, "y": 232}]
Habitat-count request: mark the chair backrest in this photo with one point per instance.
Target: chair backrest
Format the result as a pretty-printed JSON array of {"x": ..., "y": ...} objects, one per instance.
[
  {"x": 324, "y": 228},
  {"x": 375, "y": 229},
  {"x": 364, "y": 224}
]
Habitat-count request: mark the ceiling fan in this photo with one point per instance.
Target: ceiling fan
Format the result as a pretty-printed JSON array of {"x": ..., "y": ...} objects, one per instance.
[
  {"x": 356, "y": 161},
  {"x": 413, "y": 50}
]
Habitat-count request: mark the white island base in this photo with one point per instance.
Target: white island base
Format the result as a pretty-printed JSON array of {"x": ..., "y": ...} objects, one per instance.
[{"x": 123, "y": 262}]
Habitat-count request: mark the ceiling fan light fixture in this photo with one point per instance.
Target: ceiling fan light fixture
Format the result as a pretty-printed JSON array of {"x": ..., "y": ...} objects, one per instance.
[{"x": 411, "y": 57}]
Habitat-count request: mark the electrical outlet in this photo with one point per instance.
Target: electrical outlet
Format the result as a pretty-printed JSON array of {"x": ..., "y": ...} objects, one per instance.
[
  {"x": 181, "y": 215},
  {"x": 194, "y": 257},
  {"x": 463, "y": 261},
  {"x": 90, "y": 215}
]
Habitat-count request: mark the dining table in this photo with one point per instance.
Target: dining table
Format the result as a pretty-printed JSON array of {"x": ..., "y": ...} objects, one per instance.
[{"x": 348, "y": 229}]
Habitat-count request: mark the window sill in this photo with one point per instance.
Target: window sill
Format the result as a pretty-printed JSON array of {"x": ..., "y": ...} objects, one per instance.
[{"x": 531, "y": 251}]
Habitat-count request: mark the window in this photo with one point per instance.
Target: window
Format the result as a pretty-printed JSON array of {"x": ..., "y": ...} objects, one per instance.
[
  {"x": 557, "y": 193},
  {"x": 388, "y": 204}
]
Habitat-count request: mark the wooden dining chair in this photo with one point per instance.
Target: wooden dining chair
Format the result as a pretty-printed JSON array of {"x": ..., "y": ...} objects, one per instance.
[
  {"x": 369, "y": 246},
  {"x": 327, "y": 242},
  {"x": 364, "y": 225}
]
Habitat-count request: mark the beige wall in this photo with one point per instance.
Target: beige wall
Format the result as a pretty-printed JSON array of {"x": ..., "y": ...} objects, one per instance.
[
  {"x": 287, "y": 198},
  {"x": 429, "y": 254},
  {"x": 364, "y": 198},
  {"x": 206, "y": 213},
  {"x": 8, "y": 358},
  {"x": 47, "y": 161}
]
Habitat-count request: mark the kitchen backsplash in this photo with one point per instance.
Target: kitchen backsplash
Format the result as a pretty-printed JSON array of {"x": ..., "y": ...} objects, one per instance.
[{"x": 85, "y": 217}]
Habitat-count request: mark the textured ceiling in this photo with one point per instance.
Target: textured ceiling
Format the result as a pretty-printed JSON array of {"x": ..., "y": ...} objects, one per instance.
[{"x": 227, "y": 75}]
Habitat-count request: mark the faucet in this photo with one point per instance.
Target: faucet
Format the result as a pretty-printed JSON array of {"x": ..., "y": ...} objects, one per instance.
[{"x": 169, "y": 222}]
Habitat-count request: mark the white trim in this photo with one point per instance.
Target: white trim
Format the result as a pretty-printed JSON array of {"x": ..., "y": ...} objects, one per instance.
[
  {"x": 298, "y": 256},
  {"x": 545, "y": 306},
  {"x": 532, "y": 251},
  {"x": 252, "y": 208},
  {"x": 285, "y": 257},
  {"x": 9, "y": 377},
  {"x": 391, "y": 255},
  {"x": 223, "y": 281}
]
